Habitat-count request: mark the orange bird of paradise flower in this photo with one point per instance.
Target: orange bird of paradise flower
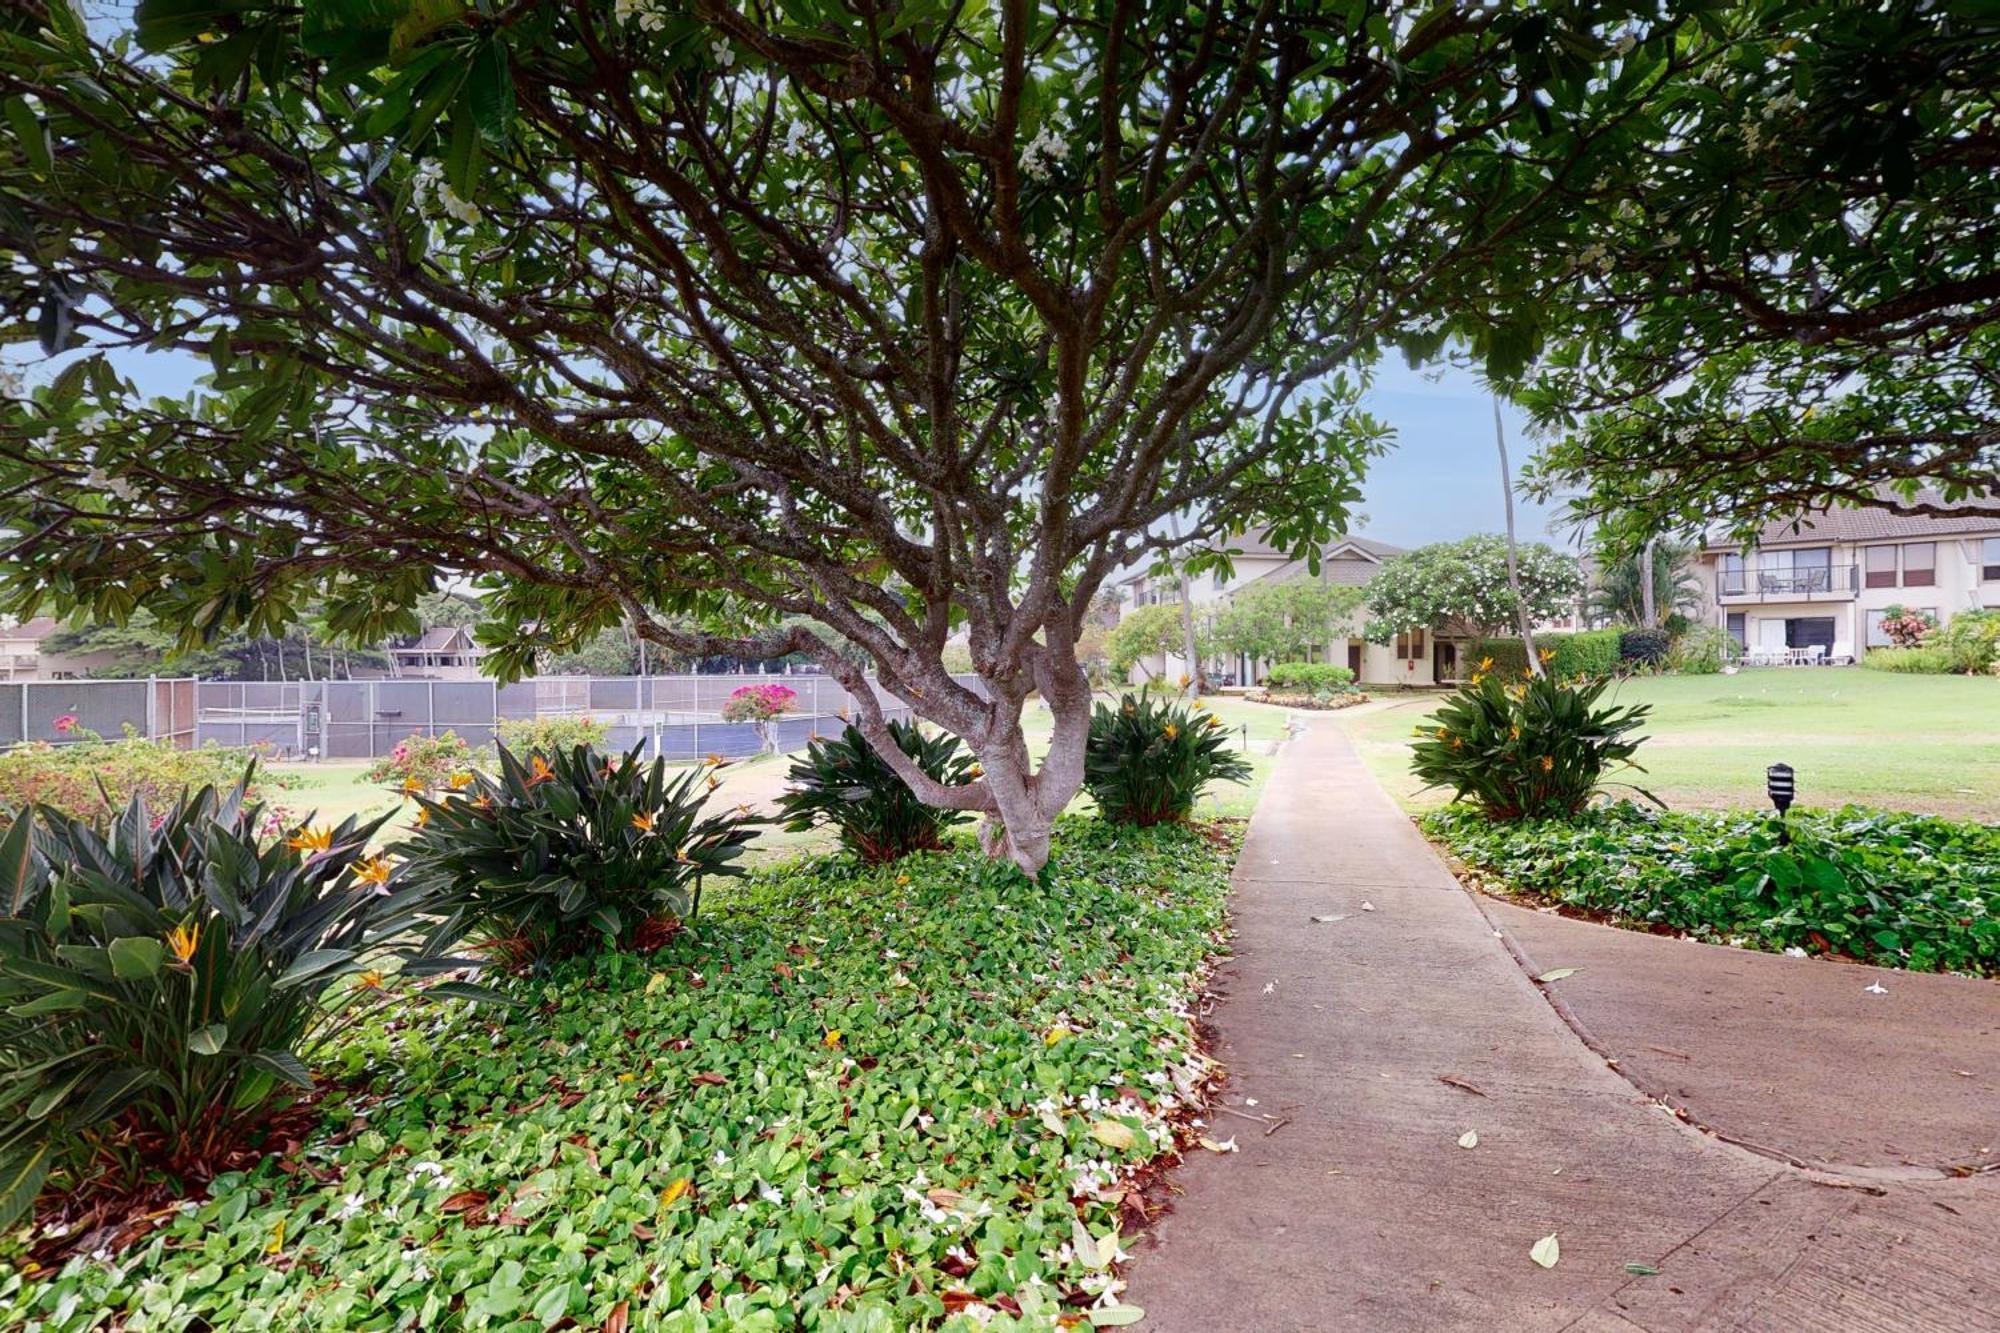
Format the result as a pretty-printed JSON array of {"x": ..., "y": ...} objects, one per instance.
[
  {"x": 181, "y": 942},
  {"x": 311, "y": 839},
  {"x": 539, "y": 771},
  {"x": 375, "y": 870},
  {"x": 643, "y": 822}
]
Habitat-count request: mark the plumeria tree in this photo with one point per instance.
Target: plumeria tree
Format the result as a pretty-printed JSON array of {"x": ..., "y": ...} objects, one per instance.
[
  {"x": 1285, "y": 620},
  {"x": 1793, "y": 299},
  {"x": 1460, "y": 589},
  {"x": 727, "y": 321}
]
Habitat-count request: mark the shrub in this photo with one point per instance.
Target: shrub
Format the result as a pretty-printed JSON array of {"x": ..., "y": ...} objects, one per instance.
[
  {"x": 422, "y": 763},
  {"x": 1909, "y": 661},
  {"x": 1904, "y": 890},
  {"x": 1532, "y": 749},
  {"x": 1701, "y": 650},
  {"x": 1507, "y": 657},
  {"x": 1589, "y": 654},
  {"x": 1311, "y": 677},
  {"x": 551, "y": 735},
  {"x": 843, "y": 783},
  {"x": 1644, "y": 647},
  {"x": 1906, "y": 628},
  {"x": 758, "y": 703},
  {"x": 162, "y": 979},
  {"x": 92, "y": 778},
  {"x": 1147, "y": 763},
  {"x": 1972, "y": 639},
  {"x": 557, "y": 853}
]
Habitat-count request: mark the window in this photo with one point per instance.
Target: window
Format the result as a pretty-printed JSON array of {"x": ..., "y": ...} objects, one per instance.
[
  {"x": 1410, "y": 645},
  {"x": 1735, "y": 625},
  {"x": 1880, "y": 563},
  {"x": 1732, "y": 574},
  {"x": 1919, "y": 564},
  {"x": 1989, "y": 560},
  {"x": 1876, "y": 637}
]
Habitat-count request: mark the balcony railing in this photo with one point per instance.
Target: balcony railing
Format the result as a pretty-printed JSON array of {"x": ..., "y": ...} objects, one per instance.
[{"x": 1780, "y": 585}]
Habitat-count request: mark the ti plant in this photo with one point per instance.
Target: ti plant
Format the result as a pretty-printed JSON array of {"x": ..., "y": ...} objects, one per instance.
[
  {"x": 843, "y": 783},
  {"x": 556, "y": 852},
  {"x": 164, "y": 979},
  {"x": 1147, "y": 762},
  {"x": 1535, "y": 748}
]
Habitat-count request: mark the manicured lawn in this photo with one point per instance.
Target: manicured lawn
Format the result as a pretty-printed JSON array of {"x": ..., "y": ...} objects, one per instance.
[
  {"x": 1922, "y": 743},
  {"x": 848, "y": 1099}
]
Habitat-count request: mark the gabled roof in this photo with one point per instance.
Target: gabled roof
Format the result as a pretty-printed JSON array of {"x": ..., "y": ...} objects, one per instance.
[
  {"x": 1819, "y": 527},
  {"x": 37, "y": 629},
  {"x": 1350, "y": 561},
  {"x": 440, "y": 638}
]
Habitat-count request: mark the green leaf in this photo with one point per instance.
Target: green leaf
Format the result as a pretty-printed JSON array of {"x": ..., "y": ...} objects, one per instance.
[
  {"x": 209, "y": 1040},
  {"x": 136, "y": 957},
  {"x": 21, "y": 1177},
  {"x": 1116, "y": 1316},
  {"x": 1642, "y": 1270},
  {"x": 284, "y": 1065}
]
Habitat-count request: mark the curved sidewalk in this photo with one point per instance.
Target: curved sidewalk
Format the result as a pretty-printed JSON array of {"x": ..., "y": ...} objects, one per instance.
[{"x": 1364, "y": 978}]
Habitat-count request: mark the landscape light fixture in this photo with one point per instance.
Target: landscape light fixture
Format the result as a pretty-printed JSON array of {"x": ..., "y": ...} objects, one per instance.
[{"x": 1778, "y": 782}]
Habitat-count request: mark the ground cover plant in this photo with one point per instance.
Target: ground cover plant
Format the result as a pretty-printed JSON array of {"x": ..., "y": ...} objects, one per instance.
[
  {"x": 555, "y": 853},
  {"x": 1895, "y": 889},
  {"x": 162, "y": 977},
  {"x": 856, "y": 1098},
  {"x": 841, "y": 783},
  {"x": 1147, "y": 761}
]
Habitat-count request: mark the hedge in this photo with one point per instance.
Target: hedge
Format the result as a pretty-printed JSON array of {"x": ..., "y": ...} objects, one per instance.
[
  {"x": 1308, "y": 676},
  {"x": 1909, "y": 661},
  {"x": 1591, "y": 652}
]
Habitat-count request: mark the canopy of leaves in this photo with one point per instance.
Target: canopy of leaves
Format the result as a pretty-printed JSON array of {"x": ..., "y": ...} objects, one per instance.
[
  {"x": 1460, "y": 589},
  {"x": 1145, "y": 631},
  {"x": 645, "y": 308},
  {"x": 1793, "y": 298},
  {"x": 1285, "y": 620}
]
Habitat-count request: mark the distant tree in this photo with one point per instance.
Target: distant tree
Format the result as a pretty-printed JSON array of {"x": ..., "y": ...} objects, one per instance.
[
  {"x": 1144, "y": 632},
  {"x": 613, "y": 652},
  {"x": 1618, "y": 594},
  {"x": 1284, "y": 620},
  {"x": 1460, "y": 589}
]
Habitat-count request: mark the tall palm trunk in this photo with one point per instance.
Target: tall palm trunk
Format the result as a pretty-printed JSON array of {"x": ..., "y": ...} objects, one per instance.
[
  {"x": 1649, "y": 609},
  {"x": 1513, "y": 566}
]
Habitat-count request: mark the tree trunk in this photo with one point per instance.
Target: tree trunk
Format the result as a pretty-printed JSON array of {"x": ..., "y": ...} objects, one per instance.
[
  {"x": 1649, "y": 611},
  {"x": 1187, "y": 623},
  {"x": 1513, "y": 566}
]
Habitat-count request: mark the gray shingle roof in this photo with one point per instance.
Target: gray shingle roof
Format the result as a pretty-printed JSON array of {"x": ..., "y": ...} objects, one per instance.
[{"x": 1821, "y": 526}]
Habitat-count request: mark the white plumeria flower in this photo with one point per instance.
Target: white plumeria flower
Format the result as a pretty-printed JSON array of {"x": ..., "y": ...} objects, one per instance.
[
  {"x": 771, "y": 1194},
  {"x": 1875, "y": 988},
  {"x": 720, "y": 49},
  {"x": 349, "y": 1207}
]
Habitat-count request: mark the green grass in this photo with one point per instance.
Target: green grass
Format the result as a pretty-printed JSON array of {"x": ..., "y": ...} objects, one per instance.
[
  {"x": 849, "y": 1100},
  {"x": 1923, "y": 743}
]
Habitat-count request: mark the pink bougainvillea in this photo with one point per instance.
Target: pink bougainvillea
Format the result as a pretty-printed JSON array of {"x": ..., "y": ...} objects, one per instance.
[{"x": 758, "y": 703}]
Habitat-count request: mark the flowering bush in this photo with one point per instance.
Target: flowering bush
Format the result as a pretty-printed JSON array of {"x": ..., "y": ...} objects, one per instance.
[
  {"x": 1148, "y": 763},
  {"x": 1906, "y": 628},
  {"x": 89, "y": 777},
  {"x": 549, "y": 735},
  {"x": 423, "y": 763},
  {"x": 1534, "y": 749},
  {"x": 758, "y": 703}
]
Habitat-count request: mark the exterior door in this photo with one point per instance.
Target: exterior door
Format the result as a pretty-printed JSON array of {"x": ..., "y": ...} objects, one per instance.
[
  {"x": 1354, "y": 659},
  {"x": 1444, "y": 661},
  {"x": 1809, "y": 632}
]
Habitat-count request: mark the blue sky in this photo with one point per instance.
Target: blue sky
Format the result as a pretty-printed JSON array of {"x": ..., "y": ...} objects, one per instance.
[
  {"x": 1442, "y": 478},
  {"x": 1440, "y": 481}
]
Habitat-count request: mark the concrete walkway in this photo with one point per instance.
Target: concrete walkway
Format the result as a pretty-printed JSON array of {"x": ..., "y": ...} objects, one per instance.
[{"x": 1364, "y": 979}]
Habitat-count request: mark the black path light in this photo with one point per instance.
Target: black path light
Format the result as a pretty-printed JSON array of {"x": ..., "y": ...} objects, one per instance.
[{"x": 1778, "y": 782}]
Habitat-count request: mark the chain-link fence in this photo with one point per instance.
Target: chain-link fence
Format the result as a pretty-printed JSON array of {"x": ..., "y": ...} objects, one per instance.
[
  {"x": 678, "y": 717},
  {"x": 63, "y": 712}
]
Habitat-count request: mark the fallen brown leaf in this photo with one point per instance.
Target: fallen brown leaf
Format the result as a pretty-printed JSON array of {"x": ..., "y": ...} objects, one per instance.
[{"x": 1454, "y": 1081}]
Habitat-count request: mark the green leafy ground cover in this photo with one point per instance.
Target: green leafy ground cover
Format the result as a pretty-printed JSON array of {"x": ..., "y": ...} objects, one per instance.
[
  {"x": 852, "y": 1099},
  {"x": 1898, "y": 890}
]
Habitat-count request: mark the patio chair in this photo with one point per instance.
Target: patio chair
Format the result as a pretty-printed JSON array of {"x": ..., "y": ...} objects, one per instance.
[
  {"x": 1815, "y": 654},
  {"x": 1843, "y": 653}
]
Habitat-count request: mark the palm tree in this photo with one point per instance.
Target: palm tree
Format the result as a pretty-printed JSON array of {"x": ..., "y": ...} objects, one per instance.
[{"x": 1620, "y": 594}]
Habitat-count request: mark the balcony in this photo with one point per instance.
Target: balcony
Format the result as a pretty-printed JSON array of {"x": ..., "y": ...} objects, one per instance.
[{"x": 1823, "y": 583}]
